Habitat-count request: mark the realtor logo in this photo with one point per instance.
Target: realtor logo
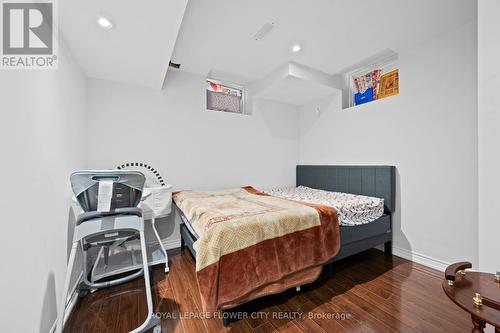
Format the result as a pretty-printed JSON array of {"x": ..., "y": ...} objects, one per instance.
[{"x": 28, "y": 38}]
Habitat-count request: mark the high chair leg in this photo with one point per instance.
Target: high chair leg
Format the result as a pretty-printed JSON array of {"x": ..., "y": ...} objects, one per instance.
[
  {"x": 151, "y": 321},
  {"x": 153, "y": 221}
]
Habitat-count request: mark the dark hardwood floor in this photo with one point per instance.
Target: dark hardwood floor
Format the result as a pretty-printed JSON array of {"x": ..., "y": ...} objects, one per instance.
[{"x": 366, "y": 293}]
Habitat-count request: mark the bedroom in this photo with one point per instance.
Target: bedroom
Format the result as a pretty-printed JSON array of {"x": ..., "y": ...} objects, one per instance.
[{"x": 134, "y": 88}]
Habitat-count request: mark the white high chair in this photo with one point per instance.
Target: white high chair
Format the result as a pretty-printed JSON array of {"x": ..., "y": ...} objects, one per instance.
[{"x": 109, "y": 200}]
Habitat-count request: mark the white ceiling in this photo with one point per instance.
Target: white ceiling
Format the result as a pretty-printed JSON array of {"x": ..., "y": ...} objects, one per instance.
[
  {"x": 136, "y": 51},
  {"x": 216, "y": 36},
  {"x": 335, "y": 34},
  {"x": 295, "y": 91},
  {"x": 295, "y": 84}
]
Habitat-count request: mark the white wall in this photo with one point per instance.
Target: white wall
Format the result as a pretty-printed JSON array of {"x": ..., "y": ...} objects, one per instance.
[
  {"x": 191, "y": 147},
  {"x": 42, "y": 140},
  {"x": 429, "y": 132},
  {"x": 489, "y": 134}
]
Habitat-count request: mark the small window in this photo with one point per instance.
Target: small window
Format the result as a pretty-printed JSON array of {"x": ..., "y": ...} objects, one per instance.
[
  {"x": 377, "y": 80},
  {"x": 225, "y": 97}
]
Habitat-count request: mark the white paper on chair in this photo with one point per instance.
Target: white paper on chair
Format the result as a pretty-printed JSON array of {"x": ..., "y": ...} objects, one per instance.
[{"x": 104, "y": 196}]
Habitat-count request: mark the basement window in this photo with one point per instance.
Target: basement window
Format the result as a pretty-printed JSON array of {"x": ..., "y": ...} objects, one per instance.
[{"x": 224, "y": 96}]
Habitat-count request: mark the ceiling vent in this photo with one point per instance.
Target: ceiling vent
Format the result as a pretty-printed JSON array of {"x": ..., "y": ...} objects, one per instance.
[{"x": 264, "y": 31}]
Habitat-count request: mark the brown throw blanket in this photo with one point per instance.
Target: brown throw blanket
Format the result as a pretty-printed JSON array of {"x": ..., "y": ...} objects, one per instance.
[{"x": 252, "y": 244}]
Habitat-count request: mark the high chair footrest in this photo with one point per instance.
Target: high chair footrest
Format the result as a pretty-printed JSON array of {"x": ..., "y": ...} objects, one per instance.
[{"x": 106, "y": 284}]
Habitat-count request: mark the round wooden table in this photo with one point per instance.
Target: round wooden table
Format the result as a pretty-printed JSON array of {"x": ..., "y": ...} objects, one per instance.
[{"x": 463, "y": 289}]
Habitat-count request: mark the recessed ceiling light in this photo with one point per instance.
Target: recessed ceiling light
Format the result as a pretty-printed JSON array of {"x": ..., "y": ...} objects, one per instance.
[
  {"x": 104, "y": 23},
  {"x": 296, "y": 48}
]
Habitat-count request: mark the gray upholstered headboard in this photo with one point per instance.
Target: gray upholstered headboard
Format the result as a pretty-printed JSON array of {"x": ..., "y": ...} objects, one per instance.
[{"x": 371, "y": 180}]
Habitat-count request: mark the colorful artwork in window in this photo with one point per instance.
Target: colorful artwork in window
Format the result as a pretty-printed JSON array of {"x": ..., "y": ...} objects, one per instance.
[
  {"x": 221, "y": 97},
  {"x": 374, "y": 85}
]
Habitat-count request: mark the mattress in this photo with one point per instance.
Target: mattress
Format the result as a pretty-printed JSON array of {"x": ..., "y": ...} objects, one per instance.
[{"x": 352, "y": 209}]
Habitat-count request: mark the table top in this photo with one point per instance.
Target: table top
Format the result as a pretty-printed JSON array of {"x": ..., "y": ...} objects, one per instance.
[{"x": 464, "y": 289}]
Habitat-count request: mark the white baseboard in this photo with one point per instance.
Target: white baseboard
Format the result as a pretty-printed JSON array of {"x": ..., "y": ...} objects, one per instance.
[
  {"x": 420, "y": 258},
  {"x": 53, "y": 327}
]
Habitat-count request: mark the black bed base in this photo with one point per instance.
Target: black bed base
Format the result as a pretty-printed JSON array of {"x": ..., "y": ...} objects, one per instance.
[{"x": 356, "y": 239}]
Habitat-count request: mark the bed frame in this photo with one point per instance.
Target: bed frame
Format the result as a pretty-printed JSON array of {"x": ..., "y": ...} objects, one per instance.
[{"x": 376, "y": 181}]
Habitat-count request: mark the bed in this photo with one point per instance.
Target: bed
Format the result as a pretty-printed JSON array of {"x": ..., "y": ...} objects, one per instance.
[{"x": 372, "y": 181}]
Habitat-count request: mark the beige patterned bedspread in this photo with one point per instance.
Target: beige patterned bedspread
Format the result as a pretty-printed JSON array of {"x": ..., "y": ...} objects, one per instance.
[{"x": 246, "y": 232}]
